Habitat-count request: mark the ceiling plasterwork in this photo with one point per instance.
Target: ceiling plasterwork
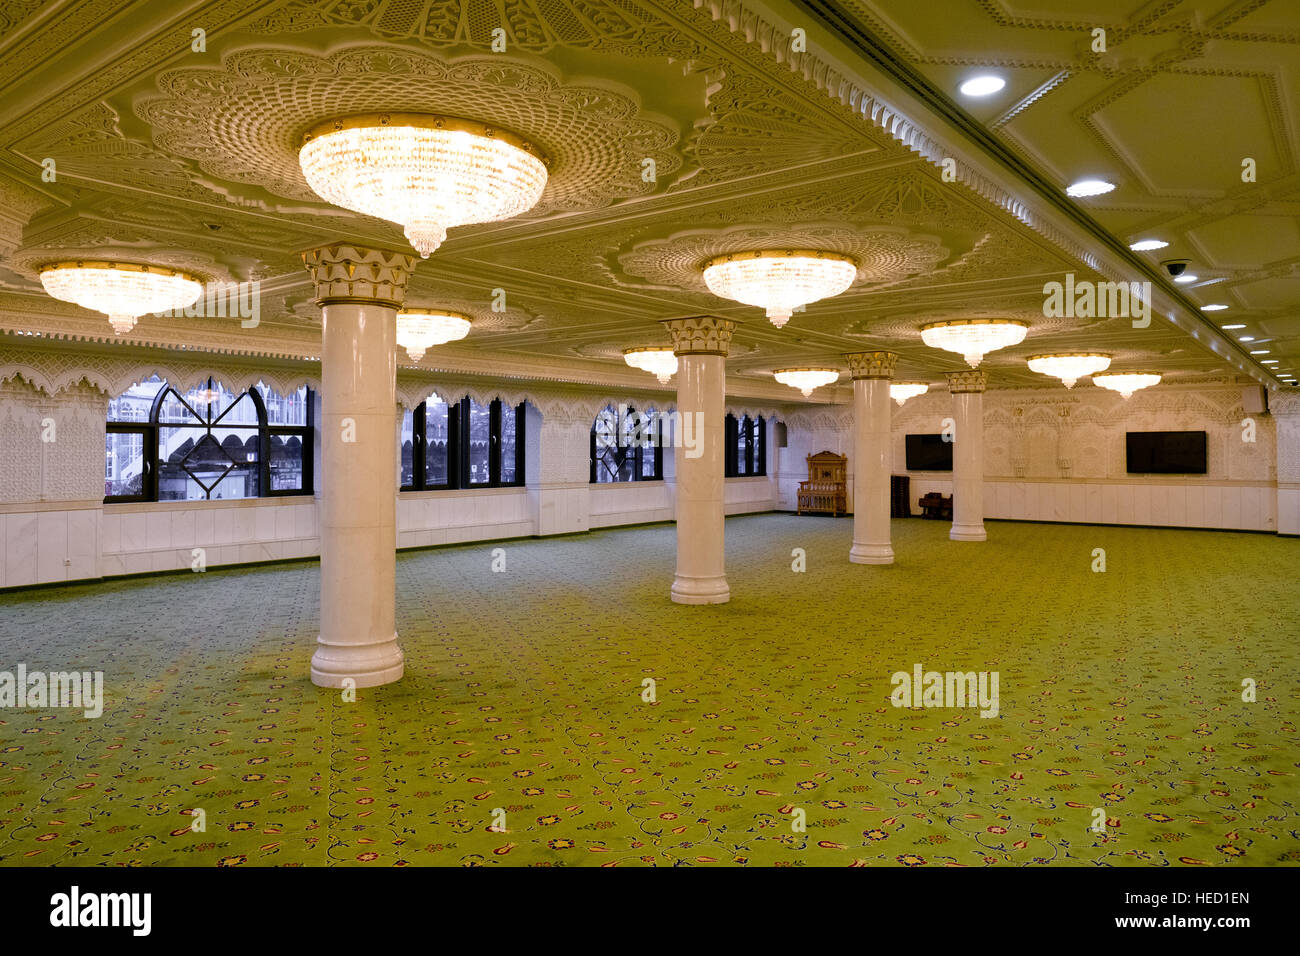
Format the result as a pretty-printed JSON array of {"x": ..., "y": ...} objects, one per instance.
[
  {"x": 625, "y": 29},
  {"x": 1184, "y": 93},
  {"x": 883, "y": 253},
  {"x": 244, "y": 122},
  {"x": 190, "y": 159}
]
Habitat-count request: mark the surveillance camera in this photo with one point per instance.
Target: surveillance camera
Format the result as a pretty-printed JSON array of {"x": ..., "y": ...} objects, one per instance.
[{"x": 1175, "y": 267}]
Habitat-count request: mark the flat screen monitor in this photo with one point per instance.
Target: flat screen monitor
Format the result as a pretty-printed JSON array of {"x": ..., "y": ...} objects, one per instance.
[
  {"x": 1166, "y": 453},
  {"x": 928, "y": 453}
]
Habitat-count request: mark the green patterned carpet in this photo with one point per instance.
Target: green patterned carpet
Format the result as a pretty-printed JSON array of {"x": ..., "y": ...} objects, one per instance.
[{"x": 523, "y": 692}]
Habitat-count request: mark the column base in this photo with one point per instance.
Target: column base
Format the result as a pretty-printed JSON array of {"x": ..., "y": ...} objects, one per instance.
[
  {"x": 700, "y": 590},
  {"x": 368, "y": 665},
  {"x": 968, "y": 532},
  {"x": 871, "y": 554}
]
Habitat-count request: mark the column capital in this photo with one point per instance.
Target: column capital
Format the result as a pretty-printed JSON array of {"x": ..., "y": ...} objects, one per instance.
[
  {"x": 968, "y": 380},
  {"x": 347, "y": 273},
  {"x": 700, "y": 334},
  {"x": 871, "y": 364}
]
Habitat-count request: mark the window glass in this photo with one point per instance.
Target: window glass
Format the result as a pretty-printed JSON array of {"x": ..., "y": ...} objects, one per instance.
[
  {"x": 623, "y": 444},
  {"x": 124, "y": 464},
  {"x": 742, "y": 448},
  {"x": 652, "y": 437},
  {"x": 479, "y": 430},
  {"x": 206, "y": 443},
  {"x": 454, "y": 443},
  {"x": 435, "y": 441},
  {"x": 406, "y": 453},
  {"x": 507, "y": 444},
  {"x": 286, "y": 466},
  {"x": 288, "y": 409},
  {"x": 135, "y": 403}
]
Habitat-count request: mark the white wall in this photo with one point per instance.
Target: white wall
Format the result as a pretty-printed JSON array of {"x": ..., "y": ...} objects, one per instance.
[
  {"x": 54, "y": 525},
  {"x": 1286, "y": 414},
  {"x": 1058, "y": 455}
]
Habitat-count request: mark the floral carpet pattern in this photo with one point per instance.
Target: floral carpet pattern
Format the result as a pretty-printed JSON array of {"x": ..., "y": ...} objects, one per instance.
[{"x": 523, "y": 705}]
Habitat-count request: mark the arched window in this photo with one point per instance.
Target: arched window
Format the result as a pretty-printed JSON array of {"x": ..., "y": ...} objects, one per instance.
[
  {"x": 746, "y": 452},
  {"x": 208, "y": 443},
  {"x": 462, "y": 445},
  {"x": 626, "y": 446}
]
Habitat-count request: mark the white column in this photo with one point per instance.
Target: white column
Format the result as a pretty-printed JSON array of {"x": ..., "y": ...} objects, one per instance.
[
  {"x": 967, "y": 390},
  {"x": 871, "y": 373},
  {"x": 701, "y": 346},
  {"x": 359, "y": 291}
]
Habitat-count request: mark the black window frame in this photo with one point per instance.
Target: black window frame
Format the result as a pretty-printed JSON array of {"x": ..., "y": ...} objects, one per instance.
[
  {"x": 458, "y": 445},
  {"x": 637, "y": 451},
  {"x": 755, "y": 448},
  {"x": 150, "y": 431}
]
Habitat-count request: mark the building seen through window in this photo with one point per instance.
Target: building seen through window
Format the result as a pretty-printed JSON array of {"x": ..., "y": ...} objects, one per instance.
[{"x": 206, "y": 443}]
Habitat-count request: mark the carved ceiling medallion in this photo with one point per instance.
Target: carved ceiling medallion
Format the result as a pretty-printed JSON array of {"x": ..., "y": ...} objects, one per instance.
[
  {"x": 243, "y": 122},
  {"x": 883, "y": 253}
]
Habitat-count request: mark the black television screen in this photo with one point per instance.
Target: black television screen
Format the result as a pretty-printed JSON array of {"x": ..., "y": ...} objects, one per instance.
[
  {"x": 928, "y": 453},
  {"x": 1166, "y": 453}
]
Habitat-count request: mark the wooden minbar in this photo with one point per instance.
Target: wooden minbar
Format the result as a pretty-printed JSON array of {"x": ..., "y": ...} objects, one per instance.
[{"x": 826, "y": 490}]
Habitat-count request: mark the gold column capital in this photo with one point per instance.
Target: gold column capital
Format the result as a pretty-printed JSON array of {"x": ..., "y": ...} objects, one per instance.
[
  {"x": 343, "y": 272},
  {"x": 871, "y": 364},
  {"x": 700, "y": 334},
  {"x": 968, "y": 380}
]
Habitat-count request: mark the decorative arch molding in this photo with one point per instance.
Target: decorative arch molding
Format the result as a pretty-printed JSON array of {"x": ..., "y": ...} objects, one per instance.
[
  {"x": 556, "y": 405},
  {"x": 821, "y": 419},
  {"x": 53, "y": 372},
  {"x": 755, "y": 411}
]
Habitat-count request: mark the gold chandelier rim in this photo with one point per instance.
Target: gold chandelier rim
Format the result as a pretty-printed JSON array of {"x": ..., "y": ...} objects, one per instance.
[
  {"x": 962, "y": 322},
  {"x": 1048, "y": 355},
  {"x": 393, "y": 119},
  {"x": 118, "y": 265},
  {"x": 772, "y": 253},
  {"x": 1111, "y": 373},
  {"x": 808, "y": 368},
  {"x": 443, "y": 313},
  {"x": 909, "y": 382},
  {"x": 649, "y": 348}
]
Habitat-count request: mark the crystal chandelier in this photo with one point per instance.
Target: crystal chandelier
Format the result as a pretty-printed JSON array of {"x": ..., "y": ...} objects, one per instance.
[
  {"x": 779, "y": 281},
  {"x": 973, "y": 338},
  {"x": 124, "y": 291},
  {"x": 1069, "y": 367},
  {"x": 902, "y": 391},
  {"x": 659, "y": 361},
  {"x": 423, "y": 171},
  {"x": 806, "y": 379},
  {"x": 417, "y": 330},
  {"x": 204, "y": 396},
  {"x": 1126, "y": 383}
]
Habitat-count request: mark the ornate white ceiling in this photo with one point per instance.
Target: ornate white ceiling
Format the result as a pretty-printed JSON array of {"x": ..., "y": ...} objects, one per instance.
[
  {"x": 189, "y": 158},
  {"x": 1183, "y": 93}
]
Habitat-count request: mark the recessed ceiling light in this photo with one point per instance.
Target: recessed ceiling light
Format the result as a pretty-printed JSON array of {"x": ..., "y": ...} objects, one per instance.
[
  {"x": 1268, "y": 362},
  {"x": 1089, "y": 187},
  {"x": 1146, "y": 245},
  {"x": 1215, "y": 307},
  {"x": 982, "y": 85},
  {"x": 1185, "y": 278},
  {"x": 1246, "y": 338},
  {"x": 1239, "y": 325},
  {"x": 1259, "y": 351}
]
